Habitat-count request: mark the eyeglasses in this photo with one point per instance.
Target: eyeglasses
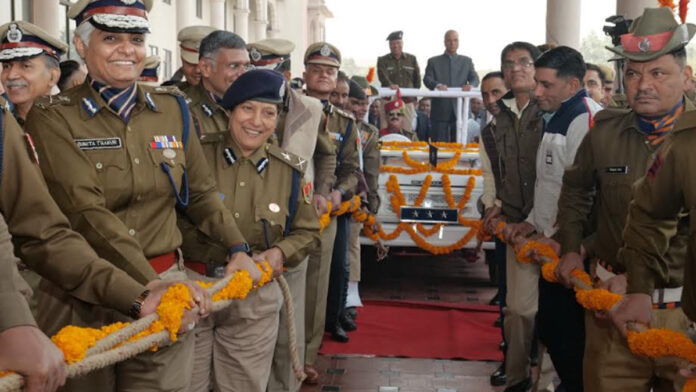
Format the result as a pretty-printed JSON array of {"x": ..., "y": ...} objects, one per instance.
[
  {"x": 392, "y": 114},
  {"x": 523, "y": 62},
  {"x": 239, "y": 67}
]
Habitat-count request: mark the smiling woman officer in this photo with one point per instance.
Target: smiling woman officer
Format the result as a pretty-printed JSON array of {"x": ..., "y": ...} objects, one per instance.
[
  {"x": 263, "y": 186},
  {"x": 118, "y": 158}
]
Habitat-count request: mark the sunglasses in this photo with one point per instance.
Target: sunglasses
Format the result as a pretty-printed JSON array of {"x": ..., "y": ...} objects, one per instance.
[{"x": 395, "y": 114}]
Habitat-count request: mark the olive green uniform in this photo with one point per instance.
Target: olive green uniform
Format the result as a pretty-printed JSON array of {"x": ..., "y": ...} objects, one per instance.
[
  {"x": 340, "y": 127},
  {"x": 403, "y": 72},
  {"x": 13, "y": 304},
  {"x": 656, "y": 221},
  {"x": 236, "y": 345},
  {"x": 42, "y": 234},
  {"x": 298, "y": 131},
  {"x": 110, "y": 181},
  {"x": 612, "y": 157}
]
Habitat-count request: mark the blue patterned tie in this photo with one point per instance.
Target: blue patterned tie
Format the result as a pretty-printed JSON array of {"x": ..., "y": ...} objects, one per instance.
[{"x": 121, "y": 101}]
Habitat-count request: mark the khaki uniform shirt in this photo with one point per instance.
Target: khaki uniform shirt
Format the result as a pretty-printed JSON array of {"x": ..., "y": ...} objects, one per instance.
[
  {"x": 107, "y": 176},
  {"x": 655, "y": 220},
  {"x": 369, "y": 136},
  {"x": 13, "y": 305},
  {"x": 403, "y": 71},
  {"x": 42, "y": 234},
  {"x": 611, "y": 158},
  {"x": 210, "y": 121},
  {"x": 341, "y": 128},
  {"x": 257, "y": 189}
]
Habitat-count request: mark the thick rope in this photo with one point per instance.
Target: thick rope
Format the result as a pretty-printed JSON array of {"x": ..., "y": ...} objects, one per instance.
[{"x": 297, "y": 367}]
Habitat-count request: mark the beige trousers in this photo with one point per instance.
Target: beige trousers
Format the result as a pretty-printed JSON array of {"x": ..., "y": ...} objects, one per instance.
[
  {"x": 609, "y": 366},
  {"x": 317, "y": 290},
  {"x": 522, "y": 305},
  {"x": 354, "y": 250},
  {"x": 282, "y": 375},
  {"x": 234, "y": 347},
  {"x": 168, "y": 369}
]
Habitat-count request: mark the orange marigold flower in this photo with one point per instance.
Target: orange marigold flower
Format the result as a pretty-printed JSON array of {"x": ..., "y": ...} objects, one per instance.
[
  {"x": 597, "y": 299},
  {"x": 171, "y": 308},
  {"x": 238, "y": 287},
  {"x": 548, "y": 271},
  {"x": 660, "y": 342}
]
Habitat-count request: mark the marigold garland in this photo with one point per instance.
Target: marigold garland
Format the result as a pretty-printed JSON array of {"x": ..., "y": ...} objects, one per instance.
[
  {"x": 597, "y": 299},
  {"x": 428, "y": 232},
  {"x": 175, "y": 301},
  {"x": 660, "y": 342},
  {"x": 423, "y": 191}
]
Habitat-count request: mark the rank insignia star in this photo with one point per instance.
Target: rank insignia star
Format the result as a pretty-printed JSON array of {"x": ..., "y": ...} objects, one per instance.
[
  {"x": 415, "y": 214},
  {"x": 430, "y": 214},
  {"x": 286, "y": 156},
  {"x": 300, "y": 162},
  {"x": 444, "y": 215}
]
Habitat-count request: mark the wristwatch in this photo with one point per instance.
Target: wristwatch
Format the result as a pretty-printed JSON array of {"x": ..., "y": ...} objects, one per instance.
[
  {"x": 239, "y": 247},
  {"x": 137, "y": 306}
]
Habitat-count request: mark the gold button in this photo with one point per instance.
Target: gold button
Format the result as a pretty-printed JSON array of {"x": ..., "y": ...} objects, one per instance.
[
  {"x": 236, "y": 214},
  {"x": 131, "y": 232},
  {"x": 99, "y": 165},
  {"x": 137, "y": 161},
  {"x": 129, "y": 129},
  {"x": 242, "y": 183},
  {"x": 138, "y": 197}
]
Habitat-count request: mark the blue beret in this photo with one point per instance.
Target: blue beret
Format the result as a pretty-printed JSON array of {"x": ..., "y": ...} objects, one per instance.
[{"x": 262, "y": 85}]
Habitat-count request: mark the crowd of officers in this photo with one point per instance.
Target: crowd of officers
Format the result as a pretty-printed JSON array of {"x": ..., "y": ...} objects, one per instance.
[{"x": 113, "y": 189}]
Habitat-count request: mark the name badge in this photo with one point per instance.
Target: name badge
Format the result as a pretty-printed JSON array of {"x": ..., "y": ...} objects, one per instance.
[
  {"x": 99, "y": 144},
  {"x": 549, "y": 158},
  {"x": 616, "y": 169}
]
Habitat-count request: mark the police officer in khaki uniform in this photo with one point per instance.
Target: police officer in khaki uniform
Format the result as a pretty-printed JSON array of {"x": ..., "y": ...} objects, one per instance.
[
  {"x": 46, "y": 243},
  {"x": 30, "y": 64},
  {"x": 297, "y": 132},
  {"x": 189, "y": 41},
  {"x": 262, "y": 185},
  {"x": 118, "y": 158},
  {"x": 612, "y": 157},
  {"x": 322, "y": 61},
  {"x": 399, "y": 69},
  {"x": 359, "y": 102}
]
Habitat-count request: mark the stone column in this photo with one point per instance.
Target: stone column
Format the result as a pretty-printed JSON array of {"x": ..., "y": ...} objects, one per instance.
[
  {"x": 47, "y": 14},
  {"x": 259, "y": 28},
  {"x": 634, "y": 8},
  {"x": 217, "y": 14},
  {"x": 241, "y": 23},
  {"x": 185, "y": 12},
  {"x": 563, "y": 22}
]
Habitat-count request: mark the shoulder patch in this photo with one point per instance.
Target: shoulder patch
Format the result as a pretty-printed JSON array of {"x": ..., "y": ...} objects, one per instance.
[
  {"x": 171, "y": 90},
  {"x": 47, "y": 101},
  {"x": 607, "y": 114},
  {"x": 294, "y": 161}
]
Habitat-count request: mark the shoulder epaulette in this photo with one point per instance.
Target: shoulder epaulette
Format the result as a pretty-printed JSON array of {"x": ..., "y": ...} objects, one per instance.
[
  {"x": 343, "y": 113},
  {"x": 607, "y": 114},
  {"x": 171, "y": 90},
  {"x": 47, "y": 101},
  {"x": 294, "y": 161}
]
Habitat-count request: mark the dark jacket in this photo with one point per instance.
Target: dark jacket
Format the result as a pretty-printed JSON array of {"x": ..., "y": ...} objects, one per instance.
[
  {"x": 453, "y": 71},
  {"x": 517, "y": 141},
  {"x": 422, "y": 125}
]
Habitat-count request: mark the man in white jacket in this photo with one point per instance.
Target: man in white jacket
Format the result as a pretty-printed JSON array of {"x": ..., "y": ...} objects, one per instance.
[{"x": 568, "y": 113}]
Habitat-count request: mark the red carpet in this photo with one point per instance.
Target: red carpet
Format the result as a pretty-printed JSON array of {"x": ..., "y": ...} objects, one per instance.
[{"x": 422, "y": 330}]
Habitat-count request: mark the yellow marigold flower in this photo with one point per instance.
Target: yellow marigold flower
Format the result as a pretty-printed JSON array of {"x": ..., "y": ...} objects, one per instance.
[
  {"x": 171, "y": 309},
  {"x": 238, "y": 287},
  {"x": 597, "y": 299}
]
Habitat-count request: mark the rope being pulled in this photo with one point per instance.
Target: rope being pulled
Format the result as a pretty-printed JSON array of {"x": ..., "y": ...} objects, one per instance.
[
  {"x": 133, "y": 339},
  {"x": 644, "y": 341}
]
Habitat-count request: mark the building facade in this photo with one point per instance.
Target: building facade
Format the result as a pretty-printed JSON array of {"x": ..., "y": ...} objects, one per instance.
[{"x": 300, "y": 21}]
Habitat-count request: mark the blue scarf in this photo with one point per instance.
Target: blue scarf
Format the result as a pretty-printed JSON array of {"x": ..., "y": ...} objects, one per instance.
[{"x": 121, "y": 101}]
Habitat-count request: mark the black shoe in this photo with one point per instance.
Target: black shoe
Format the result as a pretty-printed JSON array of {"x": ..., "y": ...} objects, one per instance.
[
  {"x": 522, "y": 386},
  {"x": 495, "y": 301},
  {"x": 339, "y": 334},
  {"x": 352, "y": 312},
  {"x": 498, "y": 323},
  {"x": 498, "y": 376},
  {"x": 347, "y": 323}
]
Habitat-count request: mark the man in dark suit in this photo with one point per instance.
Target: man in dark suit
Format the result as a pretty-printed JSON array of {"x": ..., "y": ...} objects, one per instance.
[
  {"x": 422, "y": 127},
  {"x": 448, "y": 70}
]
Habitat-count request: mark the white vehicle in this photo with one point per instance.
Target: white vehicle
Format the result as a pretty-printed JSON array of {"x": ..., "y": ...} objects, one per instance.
[{"x": 437, "y": 205}]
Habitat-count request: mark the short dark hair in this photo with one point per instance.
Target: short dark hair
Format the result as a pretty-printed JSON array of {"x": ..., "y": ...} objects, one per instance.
[
  {"x": 219, "y": 39},
  {"x": 520, "y": 45},
  {"x": 600, "y": 72},
  {"x": 567, "y": 62},
  {"x": 342, "y": 78},
  {"x": 284, "y": 66},
  {"x": 680, "y": 56},
  {"x": 67, "y": 69},
  {"x": 491, "y": 75}
]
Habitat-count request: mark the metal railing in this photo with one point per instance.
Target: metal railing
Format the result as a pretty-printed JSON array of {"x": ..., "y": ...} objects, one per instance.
[{"x": 463, "y": 105}]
